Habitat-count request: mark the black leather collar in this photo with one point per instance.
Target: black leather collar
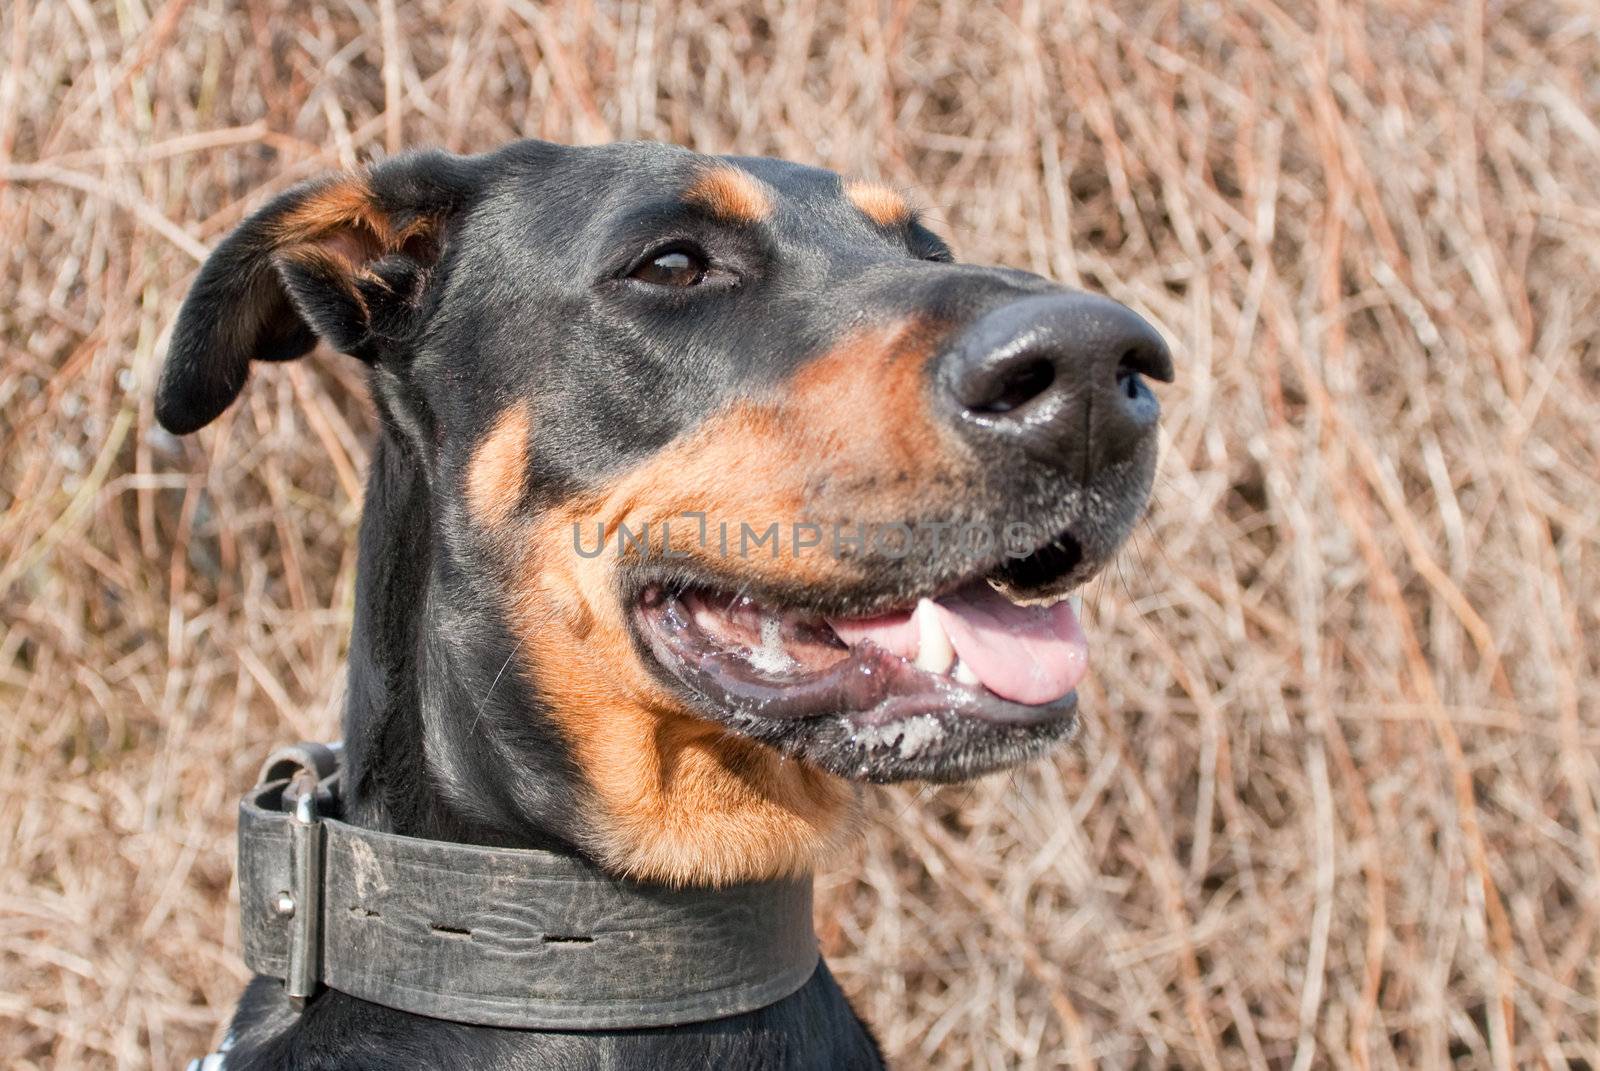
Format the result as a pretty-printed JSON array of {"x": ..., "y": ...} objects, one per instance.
[{"x": 496, "y": 936}]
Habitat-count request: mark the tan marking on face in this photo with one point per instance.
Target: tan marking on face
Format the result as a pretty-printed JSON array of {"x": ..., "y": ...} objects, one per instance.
[
  {"x": 677, "y": 798},
  {"x": 870, "y": 394},
  {"x": 882, "y": 204},
  {"x": 857, "y": 413},
  {"x": 730, "y": 193},
  {"x": 674, "y": 798},
  {"x": 498, "y": 470}
]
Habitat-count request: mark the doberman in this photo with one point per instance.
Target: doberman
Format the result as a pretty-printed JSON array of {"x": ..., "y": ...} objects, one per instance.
[{"x": 705, "y": 489}]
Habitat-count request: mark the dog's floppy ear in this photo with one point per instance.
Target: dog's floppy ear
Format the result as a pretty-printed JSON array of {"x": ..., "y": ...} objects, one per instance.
[{"x": 344, "y": 258}]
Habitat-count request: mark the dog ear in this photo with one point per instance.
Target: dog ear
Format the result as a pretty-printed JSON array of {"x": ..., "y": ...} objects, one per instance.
[{"x": 345, "y": 259}]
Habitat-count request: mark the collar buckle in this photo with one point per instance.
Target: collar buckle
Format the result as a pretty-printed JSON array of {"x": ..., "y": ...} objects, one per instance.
[
  {"x": 309, "y": 772},
  {"x": 303, "y": 903}
]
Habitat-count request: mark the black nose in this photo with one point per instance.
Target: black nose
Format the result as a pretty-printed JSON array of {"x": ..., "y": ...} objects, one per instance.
[{"x": 1059, "y": 375}]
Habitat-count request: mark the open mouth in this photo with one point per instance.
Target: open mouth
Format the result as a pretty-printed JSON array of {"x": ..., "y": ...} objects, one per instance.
[{"x": 965, "y": 680}]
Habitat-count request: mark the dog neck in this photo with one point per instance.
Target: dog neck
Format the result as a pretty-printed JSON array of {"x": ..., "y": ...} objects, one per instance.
[{"x": 440, "y": 742}]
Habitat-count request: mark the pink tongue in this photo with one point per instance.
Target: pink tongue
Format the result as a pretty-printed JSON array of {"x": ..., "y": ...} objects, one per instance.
[{"x": 1027, "y": 654}]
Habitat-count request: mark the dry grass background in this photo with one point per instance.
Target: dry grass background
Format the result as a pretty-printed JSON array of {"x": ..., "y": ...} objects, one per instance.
[{"x": 1336, "y": 800}]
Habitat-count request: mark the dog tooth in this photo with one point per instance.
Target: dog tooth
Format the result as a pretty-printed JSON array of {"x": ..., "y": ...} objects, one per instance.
[
  {"x": 934, "y": 652},
  {"x": 965, "y": 674},
  {"x": 1075, "y": 600}
]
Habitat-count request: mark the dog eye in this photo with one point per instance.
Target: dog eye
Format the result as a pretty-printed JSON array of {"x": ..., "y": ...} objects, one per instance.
[{"x": 676, "y": 267}]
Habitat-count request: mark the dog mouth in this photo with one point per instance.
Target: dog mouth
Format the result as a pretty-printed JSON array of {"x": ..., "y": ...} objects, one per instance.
[{"x": 974, "y": 676}]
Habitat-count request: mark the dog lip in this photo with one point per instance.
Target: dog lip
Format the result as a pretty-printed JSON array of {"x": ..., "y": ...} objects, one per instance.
[{"x": 865, "y": 684}]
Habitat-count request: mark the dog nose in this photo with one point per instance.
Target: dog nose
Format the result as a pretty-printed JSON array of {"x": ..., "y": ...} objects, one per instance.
[{"x": 1059, "y": 375}]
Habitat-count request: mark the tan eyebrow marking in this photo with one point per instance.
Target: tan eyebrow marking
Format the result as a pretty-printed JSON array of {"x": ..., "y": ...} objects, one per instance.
[
  {"x": 731, "y": 194},
  {"x": 881, "y": 203}
]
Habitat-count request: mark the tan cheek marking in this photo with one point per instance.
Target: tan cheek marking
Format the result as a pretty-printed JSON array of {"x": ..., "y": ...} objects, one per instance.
[
  {"x": 748, "y": 465},
  {"x": 498, "y": 470},
  {"x": 884, "y": 205},
  {"x": 677, "y": 799},
  {"x": 731, "y": 194}
]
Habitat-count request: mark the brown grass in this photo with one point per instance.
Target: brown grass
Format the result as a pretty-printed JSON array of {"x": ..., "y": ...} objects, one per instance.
[{"x": 1336, "y": 801}]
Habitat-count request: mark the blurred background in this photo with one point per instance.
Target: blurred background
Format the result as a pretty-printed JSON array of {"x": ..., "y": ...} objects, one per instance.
[{"x": 1335, "y": 800}]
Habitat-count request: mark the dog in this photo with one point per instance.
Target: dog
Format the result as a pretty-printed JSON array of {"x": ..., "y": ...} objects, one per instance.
[{"x": 705, "y": 489}]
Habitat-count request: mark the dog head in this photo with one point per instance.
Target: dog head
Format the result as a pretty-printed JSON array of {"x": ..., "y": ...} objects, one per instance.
[{"x": 735, "y": 485}]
